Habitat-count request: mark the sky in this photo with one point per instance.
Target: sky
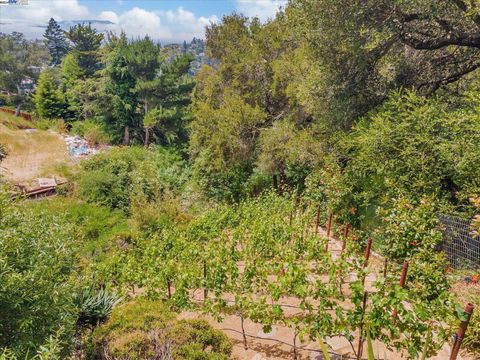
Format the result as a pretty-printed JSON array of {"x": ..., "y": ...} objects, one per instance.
[{"x": 163, "y": 20}]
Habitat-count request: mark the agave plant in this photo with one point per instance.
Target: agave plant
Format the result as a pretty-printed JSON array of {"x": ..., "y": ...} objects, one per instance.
[{"x": 94, "y": 307}]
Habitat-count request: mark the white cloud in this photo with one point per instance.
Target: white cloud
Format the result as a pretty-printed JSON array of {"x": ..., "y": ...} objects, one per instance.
[
  {"x": 28, "y": 18},
  {"x": 109, "y": 16},
  {"x": 139, "y": 22},
  {"x": 263, "y": 9},
  {"x": 169, "y": 26}
]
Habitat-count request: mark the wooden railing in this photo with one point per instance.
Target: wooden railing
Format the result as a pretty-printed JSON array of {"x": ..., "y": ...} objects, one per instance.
[{"x": 24, "y": 115}]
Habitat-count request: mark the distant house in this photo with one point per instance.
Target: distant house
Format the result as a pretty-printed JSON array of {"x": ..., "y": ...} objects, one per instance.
[{"x": 28, "y": 85}]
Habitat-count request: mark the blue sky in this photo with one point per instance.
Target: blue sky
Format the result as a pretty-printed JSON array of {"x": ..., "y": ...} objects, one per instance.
[{"x": 167, "y": 21}]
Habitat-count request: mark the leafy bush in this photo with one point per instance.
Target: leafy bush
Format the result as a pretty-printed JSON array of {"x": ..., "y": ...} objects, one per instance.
[
  {"x": 415, "y": 146},
  {"x": 146, "y": 329},
  {"x": 35, "y": 248},
  {"x": 95, "y": 133},
  {"x": 407, "y": 227},
  {"x": 116, "y": 177},
  {"x": 5, "y": 100},
  {"x": 409, "y": 230},
  {"x": 51, "y": 124}
]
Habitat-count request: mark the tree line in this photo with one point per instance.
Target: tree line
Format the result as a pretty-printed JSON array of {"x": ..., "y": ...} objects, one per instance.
[{"x": 133, "y": 88}]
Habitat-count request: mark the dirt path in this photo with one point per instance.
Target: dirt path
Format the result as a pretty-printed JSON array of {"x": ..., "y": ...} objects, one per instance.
[{"x": 31, "y": 153}]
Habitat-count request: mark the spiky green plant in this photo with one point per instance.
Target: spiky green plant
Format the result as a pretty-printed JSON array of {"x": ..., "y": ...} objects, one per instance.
[{"x": 94, "y": 307}]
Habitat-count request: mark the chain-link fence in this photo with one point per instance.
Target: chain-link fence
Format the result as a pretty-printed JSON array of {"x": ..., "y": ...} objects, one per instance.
[{"x": 461, "y": 247}]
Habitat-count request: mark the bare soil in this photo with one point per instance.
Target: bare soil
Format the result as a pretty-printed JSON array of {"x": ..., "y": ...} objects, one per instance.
[{"x": 31, "y": 154}]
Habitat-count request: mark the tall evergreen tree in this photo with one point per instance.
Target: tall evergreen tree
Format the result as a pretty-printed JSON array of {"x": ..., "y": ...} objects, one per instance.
[
  {"x": 56, "y": 42},
  {"x": 86, "y": 44}
]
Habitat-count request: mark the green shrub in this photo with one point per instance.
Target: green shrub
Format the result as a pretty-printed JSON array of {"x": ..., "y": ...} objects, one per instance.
[
  {"x": 95, "y": 133},
  {"x": 47, "y": 124},
  {"x": 415, "y": 146},
  {"x": 38, "y": 265},
  {"x": 116, "y": 177},
  {"x": 145, "y": 329},
  {"x": 6, "y": 100}
]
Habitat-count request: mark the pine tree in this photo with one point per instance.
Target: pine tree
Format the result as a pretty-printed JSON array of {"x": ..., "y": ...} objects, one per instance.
[
  {"x": 49, "y": 101},
  {"x": 56, "y": 42},
  {"x": 86, "y": 44}
]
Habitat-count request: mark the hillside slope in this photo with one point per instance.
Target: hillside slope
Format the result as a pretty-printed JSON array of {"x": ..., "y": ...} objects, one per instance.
[{"x": 31, "y": 152}]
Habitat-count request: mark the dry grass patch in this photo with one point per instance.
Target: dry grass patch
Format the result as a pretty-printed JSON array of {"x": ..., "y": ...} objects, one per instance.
[{"x": 31, "y": 152}]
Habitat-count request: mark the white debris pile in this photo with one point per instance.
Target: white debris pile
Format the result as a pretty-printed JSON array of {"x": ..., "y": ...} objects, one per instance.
[{"x": 78, "y": 147}]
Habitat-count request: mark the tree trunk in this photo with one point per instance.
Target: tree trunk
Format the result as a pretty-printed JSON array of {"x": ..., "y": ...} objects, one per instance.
[
  {"x": 295, "y": 344},
  {"x": 169, "y": 288},
  {"x": 205, "y": 291},
  {"x": 147, "y": 136},
  {"x": 126, "y": 136},
  {"x": 245, "y": 345},
  {"x": 78, "y": 341},
  {"x": 275, "y": 182},
  {"x": 17, "y": 110}
]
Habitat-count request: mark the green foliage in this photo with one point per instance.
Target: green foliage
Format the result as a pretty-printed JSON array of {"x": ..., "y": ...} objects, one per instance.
[
  {"x": 49, "y": 101},
  {"x": 36, "y": 248},
  {"x": 416, "y": 146},
  {"x": 86, "y": 43},
  {"x": 115, "y": 178},
  {"x": 408, "y": 227},
  {"x": 56, "y": 42},
  {"x": 225, "y": 159},
  {"x": 146, "y": 329},
  {"x": 18, "y": 59},
  {"x": 94, "y": 306},
  {"x": 93, "y": 131}
]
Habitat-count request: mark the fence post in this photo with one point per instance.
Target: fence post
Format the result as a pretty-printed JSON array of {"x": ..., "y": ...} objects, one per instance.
[
  {"x": 403, "y": 278},
  {"x": 368, "y": 249},
  {"x": 461, "y": 332}
]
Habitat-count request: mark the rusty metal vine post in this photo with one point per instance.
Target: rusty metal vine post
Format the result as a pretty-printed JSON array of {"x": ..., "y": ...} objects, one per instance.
[
  {"x": 403, "y": 278},
  {"x": 368, "y": 249},
  {"x": 461, "y": 332},
  {"x": 360, "y": 338}
]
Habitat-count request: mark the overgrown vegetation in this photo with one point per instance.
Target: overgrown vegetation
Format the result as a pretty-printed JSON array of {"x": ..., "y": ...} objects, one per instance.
[
  {"x": 365, "y": 110},
  {"x": 147, "y": 329}
]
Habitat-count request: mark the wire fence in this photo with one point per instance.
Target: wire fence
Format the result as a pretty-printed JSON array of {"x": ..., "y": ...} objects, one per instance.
[{"x": 460, "y": 246}]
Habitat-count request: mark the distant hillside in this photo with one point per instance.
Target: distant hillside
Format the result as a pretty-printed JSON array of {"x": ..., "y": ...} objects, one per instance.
[{"x": 66, "y": 24}]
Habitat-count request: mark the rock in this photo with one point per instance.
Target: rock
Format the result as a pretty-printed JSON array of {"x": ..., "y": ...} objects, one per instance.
[{"x": 269, "y": 335}]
